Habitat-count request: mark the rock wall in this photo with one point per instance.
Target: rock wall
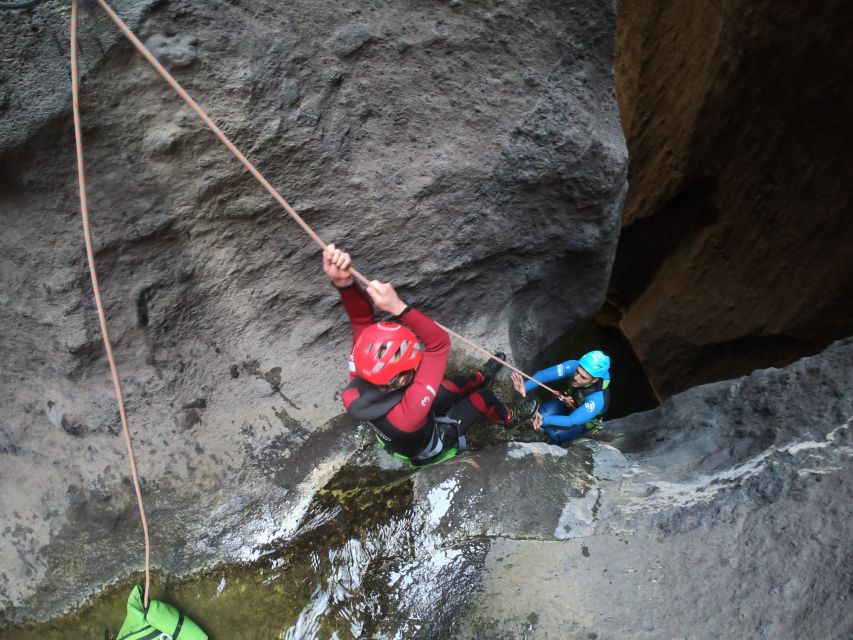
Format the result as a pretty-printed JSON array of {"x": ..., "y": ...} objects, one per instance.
[
  {"x": 728, "y": 517},
  {"x": 470, "y": 152},
  {"x": 737, "y": 240},
  {"x": 725, "y": 514}
]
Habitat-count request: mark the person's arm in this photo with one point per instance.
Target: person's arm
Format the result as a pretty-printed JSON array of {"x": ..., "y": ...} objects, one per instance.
[
  {"x": 337, "y": 265},
  {"x": 359, "y": 308},
  {"x": 411, "y": 412},
  {"x": 557, "y": 372},
  {"x": 592, "y": 406}
]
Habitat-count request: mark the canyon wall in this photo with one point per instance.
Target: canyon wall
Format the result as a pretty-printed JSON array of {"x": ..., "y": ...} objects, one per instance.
[
  {"x": 469, "y": 152},
  {"x": 737, "y": 243}
]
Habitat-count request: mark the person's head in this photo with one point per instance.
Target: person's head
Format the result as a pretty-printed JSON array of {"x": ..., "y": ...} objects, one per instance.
[
  {"x": 591, "y": 367},
  {"x": 387, "y": 355}
]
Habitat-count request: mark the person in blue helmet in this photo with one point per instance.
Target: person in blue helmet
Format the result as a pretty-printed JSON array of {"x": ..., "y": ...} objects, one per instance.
[{"x": 581, "y": 407}]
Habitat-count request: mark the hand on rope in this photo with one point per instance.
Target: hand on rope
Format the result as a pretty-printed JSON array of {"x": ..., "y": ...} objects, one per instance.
[
  {"x": 567, "y": 400},
  {"x": 384, "y": 297},
  {"x": 337, "y": 264},
  {"x": 263, "y": 181}
]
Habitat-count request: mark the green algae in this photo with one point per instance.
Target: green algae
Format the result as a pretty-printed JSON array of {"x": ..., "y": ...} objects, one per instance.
[
  {"x": 296, "y": 584},
  {"x": 264, "y": 598}
]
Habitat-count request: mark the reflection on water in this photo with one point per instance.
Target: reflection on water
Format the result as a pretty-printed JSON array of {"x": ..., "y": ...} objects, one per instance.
[{"x": 330, "y": 581}]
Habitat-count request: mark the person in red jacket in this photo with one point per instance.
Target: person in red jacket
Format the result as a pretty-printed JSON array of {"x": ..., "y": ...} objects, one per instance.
[{"x": 396, "y": 368}]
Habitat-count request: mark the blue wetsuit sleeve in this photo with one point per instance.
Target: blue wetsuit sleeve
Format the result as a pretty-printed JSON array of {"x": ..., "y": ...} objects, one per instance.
[
  {"x": 557, "y": 372},
  {"x": 593, "y": 405}
]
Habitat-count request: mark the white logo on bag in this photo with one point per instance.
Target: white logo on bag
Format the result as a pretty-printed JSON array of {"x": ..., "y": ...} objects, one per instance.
[
  {"x": 589, "y": 406},
  {"x": 425, "y": 401}
]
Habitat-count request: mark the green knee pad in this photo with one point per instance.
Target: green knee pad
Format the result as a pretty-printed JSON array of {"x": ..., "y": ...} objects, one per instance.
[{"x": 161, "y": 621}]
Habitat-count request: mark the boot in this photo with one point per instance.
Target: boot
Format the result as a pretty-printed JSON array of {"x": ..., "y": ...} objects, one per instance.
[
  {"x": 490, "y": 368},
  {"x": 521, "y": 411}
]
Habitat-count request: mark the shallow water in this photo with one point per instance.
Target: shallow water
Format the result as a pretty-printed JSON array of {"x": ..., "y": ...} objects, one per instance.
[
  {"x": 380, "y": 553},
  {"x": 358, "y": 546},
  {"x": 325, "y": 570}
]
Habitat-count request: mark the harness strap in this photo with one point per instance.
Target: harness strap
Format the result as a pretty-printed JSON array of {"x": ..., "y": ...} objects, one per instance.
[
  {"x": 437, "y": 443},
  {"x": 461, "y": 445},
  {"x": 177, "y": 630},
  {"x": 434, "y": 447}
]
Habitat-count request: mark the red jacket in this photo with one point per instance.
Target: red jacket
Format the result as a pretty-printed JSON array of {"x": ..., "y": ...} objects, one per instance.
[{"x": 410, "y": 413}]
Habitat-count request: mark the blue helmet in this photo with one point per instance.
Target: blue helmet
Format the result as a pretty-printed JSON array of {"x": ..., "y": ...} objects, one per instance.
[{"x": 596, "y": 363}]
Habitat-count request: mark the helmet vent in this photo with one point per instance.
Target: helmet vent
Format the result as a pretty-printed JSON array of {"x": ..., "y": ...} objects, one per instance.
[
  {"x": 404, "y": 345},
  {"x": 384, "y": 350}
]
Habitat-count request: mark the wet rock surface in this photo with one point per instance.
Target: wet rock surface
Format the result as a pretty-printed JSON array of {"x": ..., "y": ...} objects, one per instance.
[
  {"x": 433, "y": 142},
  {"x": 730, "y": 519},
  {"x": 726, "y": 514}
]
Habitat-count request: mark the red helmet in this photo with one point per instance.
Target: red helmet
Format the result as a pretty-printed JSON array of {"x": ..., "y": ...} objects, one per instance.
[{"x": 385, "y": 349}]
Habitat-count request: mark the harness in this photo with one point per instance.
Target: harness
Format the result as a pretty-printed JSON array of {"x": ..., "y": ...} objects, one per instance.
[
  {"x": 446, "y": 428},
  {"x": 432, "y": 443},
  {"x": 579, "y": 395}
]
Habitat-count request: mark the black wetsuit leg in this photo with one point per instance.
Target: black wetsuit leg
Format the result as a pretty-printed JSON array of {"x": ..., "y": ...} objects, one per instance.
[
  {"x": 454, "y": 389},
  {"x": 462, "y": 399}
]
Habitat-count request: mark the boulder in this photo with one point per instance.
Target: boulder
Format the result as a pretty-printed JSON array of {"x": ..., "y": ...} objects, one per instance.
[{"x": 481, "y": 168}]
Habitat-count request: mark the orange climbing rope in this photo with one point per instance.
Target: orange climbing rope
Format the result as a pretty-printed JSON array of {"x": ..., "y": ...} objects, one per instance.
[
  {"x": 260, "y": 178},
  {"x": 90, "y": 254}
]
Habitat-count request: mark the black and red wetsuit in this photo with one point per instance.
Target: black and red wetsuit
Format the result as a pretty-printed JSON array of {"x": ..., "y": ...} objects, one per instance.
[{"x": 406, "y": 418}]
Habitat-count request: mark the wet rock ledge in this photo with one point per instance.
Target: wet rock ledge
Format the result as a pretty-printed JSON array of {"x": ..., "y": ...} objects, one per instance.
[{"x": 448, "y": 144}]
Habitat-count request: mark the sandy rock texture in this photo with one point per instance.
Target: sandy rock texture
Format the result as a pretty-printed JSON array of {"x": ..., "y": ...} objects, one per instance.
[
  {"x": 737, "y": 241},
  {"x": 471, "y": 152}
]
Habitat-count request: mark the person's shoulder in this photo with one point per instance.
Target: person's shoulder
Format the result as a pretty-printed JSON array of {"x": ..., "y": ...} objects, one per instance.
[
  {"x": 594, "y": 400},
  {"x": 567, "y": 368}
]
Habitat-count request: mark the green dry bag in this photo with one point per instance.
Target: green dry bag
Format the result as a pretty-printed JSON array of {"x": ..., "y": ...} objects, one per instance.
[{"x": 160, "y": 622}]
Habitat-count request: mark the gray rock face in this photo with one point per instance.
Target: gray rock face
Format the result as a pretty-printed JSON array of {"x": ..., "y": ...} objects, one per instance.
[
  {"x": 727, "y": 516},
  {"x": 470, "y": 152},
  {"x": 35, "y": 79},
  {"x": 730, "y": 519}
]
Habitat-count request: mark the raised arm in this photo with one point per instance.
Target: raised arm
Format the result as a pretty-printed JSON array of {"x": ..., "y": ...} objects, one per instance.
[
  {"x": 557, "y": 372},
  {"x": 357, "y": 304},
  {"x": 411, "y": 412}
]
